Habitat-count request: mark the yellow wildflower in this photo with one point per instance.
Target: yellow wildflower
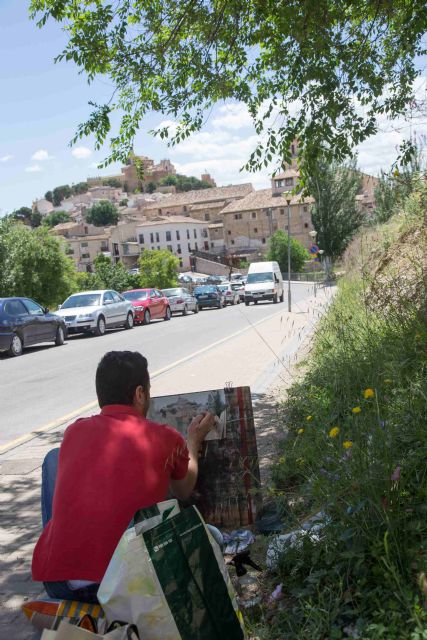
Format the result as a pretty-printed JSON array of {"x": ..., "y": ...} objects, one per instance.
[
  {"x": 388, "y": 381},
  {"x": 300, "y": 431},
  {"x": 368, "y": 393},
  {"x": 300, "y": 461},
  {"x": 356, "y": 410},
  {"x": 309, "y": 418},
  {"x": 334, "y": 432},
  {"x": 417, "y": 336},
  {"x": 347, "y": 444},
  {"x": 282, "y": 460}
]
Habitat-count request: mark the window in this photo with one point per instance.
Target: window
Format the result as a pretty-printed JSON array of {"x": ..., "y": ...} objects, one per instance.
[
  {"x": 153, "y": 294},
  {"x": 157, "y": 237},
  {"x": 229, "y": 233},
  {"x": 286, "y": 227},
  {"x": 282, "y": 212},
  {"x": 85, "y": 255},
  {"x": 141, "y": 238},
  {"x": 305, "y": 209},
  {"x": 108, "y": 297},
  {"x": 168, "y": 236},
  {"x": 212, "y": 244},
  {"x": 169, "y": 248},
  {"x": 177, "y": 235},
  {"x": 207, "y": 216},
  {"x": 151, "y": 238},
  {"x": 185, "y": 208},
  {"x": 188, "y": 234},
  {"x": 15, "y": 308},
  {"x": 255, "y": 229},
  {"x": 196, "y": 246},
  {"x": 178, "y": 249},
  {"x": 158, "y": 248},
  {"x": 195, "y": 233},
  {"x": 232, "y": 242},
  {"x": 253, "y": 215},
  {"x": 33, "y": 308},
  {"x": 86, "y": 230},
  {"x": 237, "y": 216},
  {"x": 204, "y": 233},
  {"x": 189, "y": 247},
  {"x": 306, "y": 225},
  {"x": 289, "y": 182},
  {"x": 206, "y": 243},
  {"x": 180, "y": 262},
  {"x": 279, "y": 183},
  {"x": 84, "y": 244},
  {"x": 160, "y": 211},
  {"x": 116, "y": 297},
  {"x": 263, "y": 241}
]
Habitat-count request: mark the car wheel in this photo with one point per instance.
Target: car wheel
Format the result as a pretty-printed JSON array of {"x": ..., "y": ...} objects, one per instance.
[
  {"x": 147, "y": 317},
  {"x": 234, "y": 302},
  {"x": 60, "y": 337},
  {"x": 168, "y": 314},
  {"x": 282, "y": 297},
  {"x": 16, "y": 346},
  {"x": 185, "y": 310},
  {"x": 196, "y": 309},
  {"x": 255, "y": 301},
  {"x": 219, "y": 305},
  {"x": 246, "y": 303},
  {"x": 129, "y": 321},
  {"x": 100, "y": 326},
  {"x": 275, "y": 298}
]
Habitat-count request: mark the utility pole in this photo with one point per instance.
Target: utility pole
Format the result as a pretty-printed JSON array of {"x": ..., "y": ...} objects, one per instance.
[{"x": 288, "y": 200}]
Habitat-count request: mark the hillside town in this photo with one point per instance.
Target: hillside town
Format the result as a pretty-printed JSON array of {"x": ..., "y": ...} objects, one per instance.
[{"x": 217, "y": 223}]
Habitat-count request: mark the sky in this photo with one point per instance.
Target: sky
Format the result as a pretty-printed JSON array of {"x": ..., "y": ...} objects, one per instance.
[{"x": 42, "y": 103}]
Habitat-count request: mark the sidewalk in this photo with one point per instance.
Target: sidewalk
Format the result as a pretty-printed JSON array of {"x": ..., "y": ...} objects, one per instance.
[{"x": 261, "y": 357}]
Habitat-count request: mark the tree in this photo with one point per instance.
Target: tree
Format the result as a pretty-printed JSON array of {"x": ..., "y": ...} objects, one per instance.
[
  {"x": 33, "y": 263},
  {"x": 80, "y": 187},
  {"x": 158, "y": 269},
  {"x": 27, "y": 216},
  {"x": 279, "y": 251},
  {"x": 168, "y": 181},
  {"x": 112, "y": 276},
  {"x": 102, "y": 214},
  {"x": 302, "y": 69},
  {"x": 56, "y": 217},
  {"x": 112, "y": 182},
  {"x": 49, "y": 196},
  {"x": 151, "y": 187},
  {"x": 123, "y": 202},
  {"x": 335, "y": 214},
  {"x": 60, "y": 193}
]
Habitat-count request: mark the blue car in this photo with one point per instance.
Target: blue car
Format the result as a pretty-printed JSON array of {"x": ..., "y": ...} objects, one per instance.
[{"x": 209, "y": 296}]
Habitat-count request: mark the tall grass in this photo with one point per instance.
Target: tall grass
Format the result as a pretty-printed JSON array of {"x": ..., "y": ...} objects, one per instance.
[{"x": 356, "y": 449}]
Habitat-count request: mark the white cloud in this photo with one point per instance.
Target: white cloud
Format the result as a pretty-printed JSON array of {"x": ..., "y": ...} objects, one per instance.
[
  {"x": 41, "y": 155},
  {"x": 6, "y": 158},
  {"x": 93, "y": 165},
  {"x": 33, "y": 168},
  {"x": 232, "y": 116},
  {"x": 81, "y": 153}
]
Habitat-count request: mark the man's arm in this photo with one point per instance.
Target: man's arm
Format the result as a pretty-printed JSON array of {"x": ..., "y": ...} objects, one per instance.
[{"x": 197, "y": 432}]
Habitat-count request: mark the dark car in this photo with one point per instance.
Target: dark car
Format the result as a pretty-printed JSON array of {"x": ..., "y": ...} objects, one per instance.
[
  {"x": 209, "y": 296},
  {"x": 23, "y": 322}
]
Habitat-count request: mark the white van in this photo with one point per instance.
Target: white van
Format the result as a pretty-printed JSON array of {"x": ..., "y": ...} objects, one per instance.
[{"x": 264, "y": 282}]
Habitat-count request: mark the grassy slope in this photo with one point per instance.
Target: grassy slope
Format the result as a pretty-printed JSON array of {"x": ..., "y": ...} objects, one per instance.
[{"x": 356, "y": 447}]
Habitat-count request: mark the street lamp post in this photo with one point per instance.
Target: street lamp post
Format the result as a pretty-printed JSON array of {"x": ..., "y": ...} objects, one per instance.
[
  {"x": 313, "y": 235},
  {"x": 288, "y": 201}
]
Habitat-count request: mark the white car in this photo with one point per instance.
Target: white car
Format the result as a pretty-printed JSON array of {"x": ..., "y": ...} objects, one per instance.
[
  {"x": 181, "y": 300},
  {"x": 96, "y": 311}
]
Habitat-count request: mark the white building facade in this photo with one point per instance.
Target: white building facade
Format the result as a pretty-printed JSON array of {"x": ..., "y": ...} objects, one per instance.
[{"x": 178, "y": 234}]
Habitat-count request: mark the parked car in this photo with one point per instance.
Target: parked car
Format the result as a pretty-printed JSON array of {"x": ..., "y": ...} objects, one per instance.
[
  {"x": 148, "y": 304},
  {"x": 264, "y": 282},
  {"x": 185, "y": 278},
  {"x": 23, "y": 322},
  {"x": 181, "y": 300},
  {"x": 208, "y": 295},
  {"x": 240, "y": 288},
  {"x": 215, "y": 279},
  {"x": 231, "y": 295},
  {"x": 96, "y": 311},
  {"x": 236, "y": 276}
]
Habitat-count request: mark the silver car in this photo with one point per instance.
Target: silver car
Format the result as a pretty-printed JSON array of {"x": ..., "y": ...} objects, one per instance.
[
  {"x": 96, "y": 311},
  {"x": 181, "y": 300},
  {"x": 230, "y": 294}
]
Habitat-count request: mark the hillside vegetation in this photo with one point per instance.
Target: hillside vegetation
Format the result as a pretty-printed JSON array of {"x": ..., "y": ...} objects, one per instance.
[{"x": 355, "y": 451}]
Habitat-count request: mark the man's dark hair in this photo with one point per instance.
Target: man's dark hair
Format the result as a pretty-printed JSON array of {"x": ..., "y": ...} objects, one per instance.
[{"x": 118, "y": 375}]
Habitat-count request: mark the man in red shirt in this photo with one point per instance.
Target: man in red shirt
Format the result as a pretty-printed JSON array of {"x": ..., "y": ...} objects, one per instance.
[{"x": 111, "y": 465}]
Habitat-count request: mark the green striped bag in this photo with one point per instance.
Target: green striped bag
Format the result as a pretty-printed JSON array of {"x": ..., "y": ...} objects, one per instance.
[{"x": 170, "y": 580}]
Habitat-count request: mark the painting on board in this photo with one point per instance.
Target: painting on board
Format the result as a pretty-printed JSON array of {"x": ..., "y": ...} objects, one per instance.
[{"x": 227, "y": 492}]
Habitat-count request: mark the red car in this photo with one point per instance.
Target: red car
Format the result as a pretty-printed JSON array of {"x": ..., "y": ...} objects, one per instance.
[{"x": 148, "y": 304}]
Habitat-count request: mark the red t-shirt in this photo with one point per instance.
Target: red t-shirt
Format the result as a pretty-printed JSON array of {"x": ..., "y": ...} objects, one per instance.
[{"x": 110, "y": 465}]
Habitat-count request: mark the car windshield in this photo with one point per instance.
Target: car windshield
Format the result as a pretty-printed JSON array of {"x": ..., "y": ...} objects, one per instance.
[
  {"x": 204, "y": 290},
  {"x": 235, "y": 287},
  {"x": 169, "y": 293},
  {"x": 223, "y": 287},
  {"x": 135, "y": 295},
  {"x": 82, "y": 300},
  {"x": 259, "y": 277}
]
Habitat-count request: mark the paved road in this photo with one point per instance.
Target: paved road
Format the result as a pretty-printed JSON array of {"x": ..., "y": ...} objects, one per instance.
[{"x": 47, "y": 382}]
